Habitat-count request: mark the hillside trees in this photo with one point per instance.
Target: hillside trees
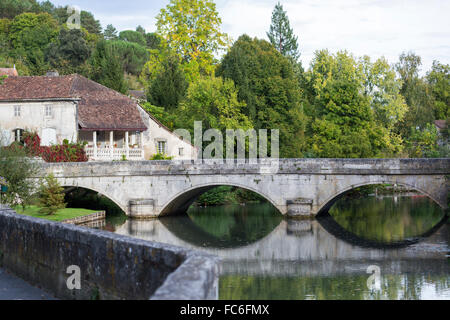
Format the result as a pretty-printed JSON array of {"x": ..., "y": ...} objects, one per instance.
[
  {"x": 69, "y": 52},
  {"x": 106, "y": 68}
]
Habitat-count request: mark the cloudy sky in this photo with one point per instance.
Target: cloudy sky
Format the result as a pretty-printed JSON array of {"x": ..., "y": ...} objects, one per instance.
[{"x": 373, "y": 27}]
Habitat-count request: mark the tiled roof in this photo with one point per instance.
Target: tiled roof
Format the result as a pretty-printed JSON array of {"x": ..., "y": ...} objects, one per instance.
[
  {"x": 99, "y": 108},
  {"x": 10, "y": 72}
]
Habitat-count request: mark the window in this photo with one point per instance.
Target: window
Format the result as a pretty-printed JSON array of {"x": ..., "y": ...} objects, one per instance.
[
  {"x": 48, "y": 111},
  {"x": 181, "y": 152},
  {"x": 18, "y": 135},
  {"x": 161, "y": 147},
  {"x": 17, "y": 111}
]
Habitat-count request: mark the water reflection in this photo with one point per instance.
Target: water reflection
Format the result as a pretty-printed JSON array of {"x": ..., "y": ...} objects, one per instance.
[{"x": 267, "y": 257}]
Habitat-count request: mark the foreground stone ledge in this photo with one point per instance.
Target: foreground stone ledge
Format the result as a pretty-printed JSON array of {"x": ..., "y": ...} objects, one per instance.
[{"x": 112, "y": 266}]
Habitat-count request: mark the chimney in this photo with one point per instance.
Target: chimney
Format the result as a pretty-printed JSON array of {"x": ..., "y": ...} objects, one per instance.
[{"x": 52, "y": 73}]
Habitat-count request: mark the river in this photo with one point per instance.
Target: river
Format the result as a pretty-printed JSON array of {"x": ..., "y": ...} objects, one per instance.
[{"x": 367, "y": 248}]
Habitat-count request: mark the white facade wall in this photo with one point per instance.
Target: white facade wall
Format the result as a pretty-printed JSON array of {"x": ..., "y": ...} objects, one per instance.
[
  {"x": 156, "y": 133},
  {"x": 61, "y": 124}
]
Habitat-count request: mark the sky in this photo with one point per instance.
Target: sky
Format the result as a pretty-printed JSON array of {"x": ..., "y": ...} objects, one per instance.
[{"x": 365, "y": 27}]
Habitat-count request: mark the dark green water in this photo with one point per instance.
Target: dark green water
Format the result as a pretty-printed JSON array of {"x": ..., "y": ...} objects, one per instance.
[{"x": 265, "y": 256}]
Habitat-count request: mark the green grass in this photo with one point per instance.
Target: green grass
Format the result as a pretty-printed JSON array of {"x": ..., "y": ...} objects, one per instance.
[{"x": 60, "y": 215}]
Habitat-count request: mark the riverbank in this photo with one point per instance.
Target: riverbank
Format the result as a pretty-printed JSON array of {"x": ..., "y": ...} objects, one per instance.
[{"x": 59, "y": 216}]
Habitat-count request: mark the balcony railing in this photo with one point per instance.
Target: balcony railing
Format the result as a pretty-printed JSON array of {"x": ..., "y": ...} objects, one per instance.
[{"x": 111, "y": 154}]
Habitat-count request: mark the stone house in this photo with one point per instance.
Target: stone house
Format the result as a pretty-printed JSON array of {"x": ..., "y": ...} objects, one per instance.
[{"x": 75, "y": 108}]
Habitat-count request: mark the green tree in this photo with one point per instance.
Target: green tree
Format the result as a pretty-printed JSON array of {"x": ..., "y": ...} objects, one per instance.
[
  {"x": 110, "y": 32},
  {"x": 132, "y": 55},
  {"x": 11, "y": 8},
  {"x": 213, "y": 101},
  {"x": 17, "y": 169},
  {"x": 51, "y": 196},
  {"x": 141, "y": 30},
  {"x": 382, "y": 87},
  {"x": 268, "y": 85},
  {"x": 153, "y": 40},
  {"x": 89, "y": 23},
  {"x": 417, "y": 94},
  {"x": 169, "y": 86},
  {"x": 422, "y": 143},
  {"x": 344, "y": 123},
  {"x": 281, "y": 35},
  {"x": 438, "y": 79},
  {"x": 69, "y": 52},
  {"x": 192, "y": 29},
  {"x": 106, "y": 68},
  {"x": 133, "y": 36},
  {"x": 30, "y": 34}
]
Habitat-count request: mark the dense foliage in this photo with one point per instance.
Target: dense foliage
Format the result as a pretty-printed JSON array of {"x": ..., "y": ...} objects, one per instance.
[{"x": 340, "y": 106}]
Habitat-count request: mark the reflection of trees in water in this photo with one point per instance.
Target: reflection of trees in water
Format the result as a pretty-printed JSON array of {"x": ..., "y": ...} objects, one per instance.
[
  {"x": 237, "y": 222},
  {"x": 225, "y": 226},
  {"x": 354, "y": 287},
  {"x": 389, "y": 219}
]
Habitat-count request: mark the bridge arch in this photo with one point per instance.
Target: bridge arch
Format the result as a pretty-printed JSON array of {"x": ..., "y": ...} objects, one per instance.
[
  {"x": 179, "y": 203},
  {"x": 116, "y": 202},
  {"x": 330, "y": 201}
]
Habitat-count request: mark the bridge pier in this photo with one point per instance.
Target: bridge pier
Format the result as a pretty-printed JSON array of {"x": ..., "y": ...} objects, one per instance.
[
  {"x": 142, "y": 209},
  {"x": 300, "y": 207}
]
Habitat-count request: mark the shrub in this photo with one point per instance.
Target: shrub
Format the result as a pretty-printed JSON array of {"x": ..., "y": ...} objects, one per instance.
[
  {"x": 51, "y": 197},
  {"x": 67, "y": 152},
  {"x": 161, "y": 156}
]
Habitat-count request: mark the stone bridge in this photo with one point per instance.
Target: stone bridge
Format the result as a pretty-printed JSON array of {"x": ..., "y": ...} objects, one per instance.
[{"x": 296, "y": 187}]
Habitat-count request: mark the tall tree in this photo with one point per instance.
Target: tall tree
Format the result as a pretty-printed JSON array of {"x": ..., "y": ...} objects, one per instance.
[
  {"x": 141, "y": 30},
  {"x": 281, "y": 35},
  {"x": 106, "y": 68},
  {"x": 416, "y": 92},
  {"x": 438, "y": 79},
  {"x": 69, "y": 52},
  {"x": 132, "y": 36},
  {"x": 267, "y": 83},
  {"x": 132, "y": 55},
  {"x": 110, "y": 32},
  {"x": 382, "y": 87},
  {"x": 214, "y": 102},
  {"x": 169, "y": 86},
  {"x": 192, "y": 29},
  {"x": 30, "y": 34}
]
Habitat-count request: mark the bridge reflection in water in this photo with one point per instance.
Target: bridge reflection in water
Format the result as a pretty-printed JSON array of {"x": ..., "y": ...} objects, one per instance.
[{"x": 284, "y": 252}]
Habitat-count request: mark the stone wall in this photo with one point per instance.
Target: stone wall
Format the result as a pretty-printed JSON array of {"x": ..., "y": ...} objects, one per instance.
[{"x": 112, "y": 266}]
